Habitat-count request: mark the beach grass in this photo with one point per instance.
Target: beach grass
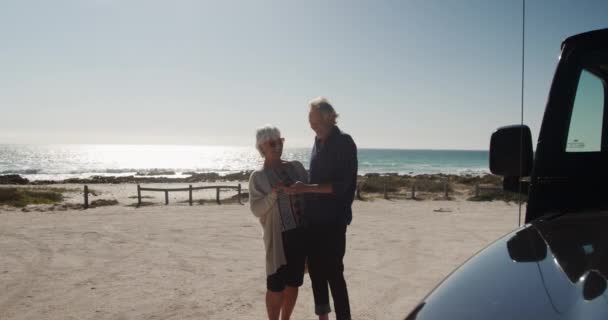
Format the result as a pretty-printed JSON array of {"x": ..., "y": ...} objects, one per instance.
[
  {"x": 505, "y": 196},
  {"x": 143, "y": 204},
  {"x": 103, "y": 203},
  {"x": 21, "y": 197},
  {"x": 143, "y": 197},
  {"x": 213, "y": 201},
  {"x": 61, "y": 189}
]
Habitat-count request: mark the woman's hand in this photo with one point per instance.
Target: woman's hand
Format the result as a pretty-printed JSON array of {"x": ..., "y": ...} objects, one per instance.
[
  {"x": 277, "y": 189},
  {"x": 297, "y": 188}
]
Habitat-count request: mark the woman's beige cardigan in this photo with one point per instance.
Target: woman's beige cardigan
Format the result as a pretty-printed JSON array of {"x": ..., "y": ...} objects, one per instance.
[{"x": 263, "y": 203}]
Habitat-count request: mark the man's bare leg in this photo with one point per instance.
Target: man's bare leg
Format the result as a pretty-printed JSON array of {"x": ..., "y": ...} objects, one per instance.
[{"x": 289, "y": 302}]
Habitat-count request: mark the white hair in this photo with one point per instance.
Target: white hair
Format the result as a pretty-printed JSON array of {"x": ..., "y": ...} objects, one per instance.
[
  {"x": 322, "y": 105},
  {"x": 265, "y": 133}
]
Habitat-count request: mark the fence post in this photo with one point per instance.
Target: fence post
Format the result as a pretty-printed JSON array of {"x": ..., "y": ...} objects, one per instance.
[
  {"x": 166, "y": 197},
  {"x": 86, "y": 197},
  {"x": 385, "y": 192},
  {"x": 190, "y": 194},
  {"x": 414, "y": 191},
  {"x": 138, "y": 196},
  {"x": 239, "y": 196},
  {"x": 445, "y": 188},
  {"x": 217, "y": 195},
  {"x": 477, "y": 190}
]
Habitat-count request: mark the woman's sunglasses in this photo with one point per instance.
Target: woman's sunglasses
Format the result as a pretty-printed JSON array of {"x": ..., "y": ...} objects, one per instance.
[{"x": 275, "y": 143}]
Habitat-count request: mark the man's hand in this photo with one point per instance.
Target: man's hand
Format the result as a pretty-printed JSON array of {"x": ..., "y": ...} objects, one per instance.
[{"x": 297, "y": 188}]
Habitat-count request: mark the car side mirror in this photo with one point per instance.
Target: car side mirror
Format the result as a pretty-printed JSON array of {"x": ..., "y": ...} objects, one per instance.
[
  {"x": 595, "y": 285},
  {"x": 527, "y": 246},
  {"x": 511, "y": 151}
]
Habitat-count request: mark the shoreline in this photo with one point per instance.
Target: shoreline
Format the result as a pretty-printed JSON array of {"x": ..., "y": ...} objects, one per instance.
[{"x": 193, "y": 177}]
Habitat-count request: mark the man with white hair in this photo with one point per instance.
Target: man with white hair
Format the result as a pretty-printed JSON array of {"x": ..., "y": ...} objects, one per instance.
[{"x": 331, "y": 191}]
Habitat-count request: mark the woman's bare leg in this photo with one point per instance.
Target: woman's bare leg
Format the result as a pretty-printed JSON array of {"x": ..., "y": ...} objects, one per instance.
[{"x": 274, "y": 301}]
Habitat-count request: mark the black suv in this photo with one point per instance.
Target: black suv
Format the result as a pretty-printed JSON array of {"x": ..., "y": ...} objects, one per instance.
[{"x": 556, "y": 265}]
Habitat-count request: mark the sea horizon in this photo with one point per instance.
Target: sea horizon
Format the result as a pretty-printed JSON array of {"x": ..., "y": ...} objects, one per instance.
[
  {"x": 65, "y": 161},
  {"x": 223, "y": 145}
]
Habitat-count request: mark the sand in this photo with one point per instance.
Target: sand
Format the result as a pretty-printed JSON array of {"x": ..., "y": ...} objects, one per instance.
[{"x": 207, "y": 261}]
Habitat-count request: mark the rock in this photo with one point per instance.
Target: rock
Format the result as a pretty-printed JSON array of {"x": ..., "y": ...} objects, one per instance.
[
  {"x": 156, "y": 172},
  {"x": 204, "y": 177},
  {"x": 13, "y": 179},
  {"x": 238, "y": 176}
]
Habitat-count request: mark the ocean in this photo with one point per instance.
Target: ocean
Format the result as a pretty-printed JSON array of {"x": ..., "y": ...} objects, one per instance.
[{"x": 58, "y": 162}]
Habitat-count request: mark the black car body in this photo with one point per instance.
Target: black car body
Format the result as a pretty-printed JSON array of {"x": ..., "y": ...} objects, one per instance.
[{"x": 556, "y": 265}]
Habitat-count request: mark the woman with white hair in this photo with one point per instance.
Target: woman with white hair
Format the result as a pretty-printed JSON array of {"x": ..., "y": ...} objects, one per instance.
[{"x": 281, "y": 216}]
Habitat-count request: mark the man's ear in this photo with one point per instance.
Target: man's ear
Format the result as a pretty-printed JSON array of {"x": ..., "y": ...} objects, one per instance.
[
  {"x": 329, "y": 118},
  {"x": 333, "y": 118}
]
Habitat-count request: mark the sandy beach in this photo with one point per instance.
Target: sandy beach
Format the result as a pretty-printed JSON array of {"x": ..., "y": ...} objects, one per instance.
[{"x": 207, "y": 261}]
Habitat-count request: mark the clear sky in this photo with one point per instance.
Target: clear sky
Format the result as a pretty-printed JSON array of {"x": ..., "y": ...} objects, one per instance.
[{"x": 426, "y": 74}]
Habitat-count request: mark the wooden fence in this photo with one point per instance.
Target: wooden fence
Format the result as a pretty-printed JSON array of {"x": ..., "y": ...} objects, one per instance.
[
  {"x": 413, "y": 191},
  {"x": 478, "y": 189},
  {"x": 167, "y": 190},
  {"x": 189, "y": 189}
]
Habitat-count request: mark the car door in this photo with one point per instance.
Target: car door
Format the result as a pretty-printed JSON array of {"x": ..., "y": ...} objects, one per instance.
[{"x": 571, "y": 167}]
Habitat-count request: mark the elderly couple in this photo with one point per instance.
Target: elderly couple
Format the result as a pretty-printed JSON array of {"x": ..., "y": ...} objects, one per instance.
[{"x": 304, "y": 215}]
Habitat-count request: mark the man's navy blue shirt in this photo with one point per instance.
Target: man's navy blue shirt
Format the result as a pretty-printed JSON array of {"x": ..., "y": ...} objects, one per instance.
[{"x": 335, "y": 163}]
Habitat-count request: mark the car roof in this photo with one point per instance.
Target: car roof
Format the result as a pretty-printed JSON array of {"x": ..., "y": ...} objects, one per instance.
[{"x": 587, "y": 38}]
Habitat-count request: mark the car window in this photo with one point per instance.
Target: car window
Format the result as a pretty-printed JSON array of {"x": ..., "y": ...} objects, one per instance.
[{"x": 585, "y": 132}]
